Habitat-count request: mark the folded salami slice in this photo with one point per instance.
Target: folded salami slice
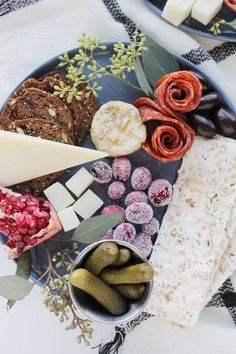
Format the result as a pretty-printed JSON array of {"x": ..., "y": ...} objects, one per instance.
[
  {"x": 170, "y": 139},
  {"x": 178, "y": 92},
  {"x": 231, "y": 4}
]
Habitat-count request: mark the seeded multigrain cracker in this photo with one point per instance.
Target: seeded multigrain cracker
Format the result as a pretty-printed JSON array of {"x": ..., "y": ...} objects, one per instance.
[
  {"x": 45, "y": 130},
  {"x": 82, "y": 111},
  {"x": 34, "y": 103}
]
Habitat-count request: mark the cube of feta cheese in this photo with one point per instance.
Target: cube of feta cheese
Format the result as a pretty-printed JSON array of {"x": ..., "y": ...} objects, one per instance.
[
  {"x": 88, "y": 204},
  {"x": 58, "y": 196},
  {"x": 204, "y": 10},
  {"x": 78, "y": 183},
  {"x": 68, "y": 219},
  {"x": 176, "y": 11}
]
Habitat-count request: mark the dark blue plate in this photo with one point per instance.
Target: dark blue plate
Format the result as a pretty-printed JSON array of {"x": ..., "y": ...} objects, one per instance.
[
  {"x": 191, "y": 25},
  {"x": 113, "y": 89}
]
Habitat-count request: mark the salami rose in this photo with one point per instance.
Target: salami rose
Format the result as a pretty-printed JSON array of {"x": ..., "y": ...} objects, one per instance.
[
  {"x": 170, "y": 139},
  {"x": 231, "y": 4},
  {"x": 177, "y": 93}
]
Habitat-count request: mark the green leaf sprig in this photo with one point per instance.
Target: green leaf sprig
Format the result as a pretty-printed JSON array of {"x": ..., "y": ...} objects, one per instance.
[
  {"x": 23, "y": 270},
  {"x": 120, "y": 63},
  {"x": 216, "y": 27},
  {"x": 91, "y": 230}
]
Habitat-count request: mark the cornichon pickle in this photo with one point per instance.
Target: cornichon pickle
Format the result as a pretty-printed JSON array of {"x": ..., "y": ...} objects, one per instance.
[
  {"x": 123, "y": 257},
  {"x": 131, "y": 291},
  {"x": 103, "y": 293},
  {"x": 138, "y": 273},
  {"x": 103, "y": 256}
]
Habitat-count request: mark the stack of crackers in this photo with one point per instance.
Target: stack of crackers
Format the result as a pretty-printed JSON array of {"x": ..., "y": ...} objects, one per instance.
[{"x": 33, "y": 110}]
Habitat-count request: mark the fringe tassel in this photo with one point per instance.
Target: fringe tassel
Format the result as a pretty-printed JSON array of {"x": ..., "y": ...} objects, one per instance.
[{"x": 113, "y": 346}]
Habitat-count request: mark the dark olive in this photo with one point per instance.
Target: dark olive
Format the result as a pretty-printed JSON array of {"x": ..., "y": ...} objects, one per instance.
[
  {"x": 225, "y": 121},
  {"x": 205, "y": 83},
  {"x": 201, "y": 125},
  {"x": 209, "y": 101}
]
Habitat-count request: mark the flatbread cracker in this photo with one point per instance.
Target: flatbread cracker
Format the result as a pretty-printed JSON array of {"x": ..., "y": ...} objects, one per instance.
[{"x": 195, "y": 250}]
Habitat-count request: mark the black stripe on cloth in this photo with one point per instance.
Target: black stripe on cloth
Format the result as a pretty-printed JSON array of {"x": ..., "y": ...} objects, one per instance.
[
  {"x": 223, "y": 51},
  {"x": 197, "y": 56},
  {"x": 7, "y": 6},
  {"x": 225, "y": 297},
  {"x": 218, "y": 53},
  {"x": 114, "y": 8}
]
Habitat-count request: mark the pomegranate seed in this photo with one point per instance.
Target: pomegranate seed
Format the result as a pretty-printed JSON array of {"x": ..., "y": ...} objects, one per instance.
[
  {"x": 18, "y": 236},
  {"x": 23, "y": 217}
]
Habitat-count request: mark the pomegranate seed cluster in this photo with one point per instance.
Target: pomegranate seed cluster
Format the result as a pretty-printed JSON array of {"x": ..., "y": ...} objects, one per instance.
[
  {"x": 22, "y": 218},
  {"x": 138, "y": 224}
]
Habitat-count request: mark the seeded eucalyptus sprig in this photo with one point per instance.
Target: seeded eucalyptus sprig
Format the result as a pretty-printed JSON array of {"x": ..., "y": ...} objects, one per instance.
[
  {"x": 56, "y": 295},
  {"x": 216, "y": 27},
  {"x": 83, "y": 70}
]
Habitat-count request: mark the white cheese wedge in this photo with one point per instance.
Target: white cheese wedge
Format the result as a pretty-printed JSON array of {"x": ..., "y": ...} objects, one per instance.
[
  {"x": 204, "y": 10},
  {"x": 58, "y": 196},
  {"x": 68, "y": 219},
  {"x": 87, "y": 205},
  {"x": 176, "y": 11},
  {"x": 78, "y": 183},
  {"x": 24, "y": 157}
]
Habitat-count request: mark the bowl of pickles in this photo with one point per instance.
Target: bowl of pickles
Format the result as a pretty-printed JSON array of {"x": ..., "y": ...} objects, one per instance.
[{"x": 111, "y": 282}]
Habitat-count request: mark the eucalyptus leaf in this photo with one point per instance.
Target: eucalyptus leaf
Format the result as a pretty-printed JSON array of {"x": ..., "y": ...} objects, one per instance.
[
  {"x": 13, "y": 287},
  {"x": 91, "y": 230},
  {"x": 232, "y": 24},
  {"x": 142, "y": 80},
  {"x": 23, "y": 270},
  {"x": 157, "y": 61}
]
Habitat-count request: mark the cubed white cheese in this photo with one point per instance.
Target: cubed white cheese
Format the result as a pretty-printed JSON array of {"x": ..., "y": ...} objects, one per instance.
[
  {"x": 58, "y": 196},
  {"x": 68, "y": 219},
  {"x": 87, "y": 205},
  {"x": 78, "y": 183},
  {"x": 204, "y": 10},
  {"x": 176, "y": 11}
]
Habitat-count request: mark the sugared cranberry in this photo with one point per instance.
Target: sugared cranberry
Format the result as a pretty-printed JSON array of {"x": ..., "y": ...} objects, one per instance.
[
  {"x": 141, "y": 179},
  {"x": 136, "y": 197},
  {"x": 108, "y": 235},
  {"x": 125, "y": 232},
  {"x": 121, "y": 168},
  {"x": 160, "y": 192},
  {"x": 116, "y": 190},
  {"x": 139, "y": 213},
  {"x": 101, "y": 172},
  {"x": 151, "y": 227},
  {"x": 144, "y": 243}
]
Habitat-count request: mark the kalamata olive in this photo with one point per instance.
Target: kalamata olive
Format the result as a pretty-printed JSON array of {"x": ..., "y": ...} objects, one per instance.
[
  {"x": 225, "y": 121},
  {"x": 202, "y": 125},
  {"x": 203, "y": 80},
  {"x": 209, "y": 101}
]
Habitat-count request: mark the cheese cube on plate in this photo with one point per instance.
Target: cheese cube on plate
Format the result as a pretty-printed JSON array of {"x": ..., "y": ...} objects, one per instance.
[
  {"x": 58, "y": 196},
  {"x": 78, "y": 183},
  {"x": 68, "y": 219},
  {"x": 176, "y": 11},
  {"x": 88, "y": 204},
  {"x": 204, "y": 10}
]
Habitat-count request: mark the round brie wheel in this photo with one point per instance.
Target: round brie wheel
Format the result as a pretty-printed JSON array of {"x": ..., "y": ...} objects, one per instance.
[{"x": 117, "y": 129}]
